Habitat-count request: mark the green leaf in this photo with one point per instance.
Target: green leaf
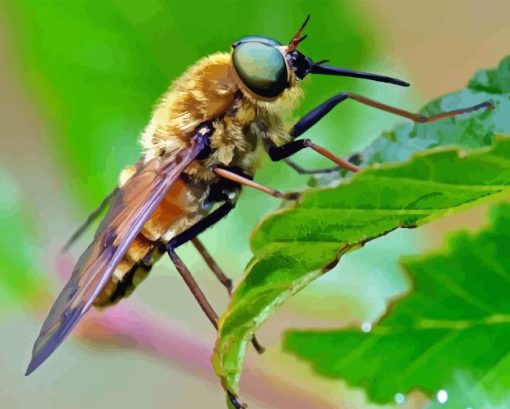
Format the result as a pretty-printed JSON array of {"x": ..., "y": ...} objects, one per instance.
[
  {"x": 295, "y": 245},
  {"x": 456, "y": 320}
]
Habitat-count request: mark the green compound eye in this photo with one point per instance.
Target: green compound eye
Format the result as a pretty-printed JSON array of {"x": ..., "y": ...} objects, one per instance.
[
  {"x": 260, "y": 66},
  {"x": 258, "y": 39}
]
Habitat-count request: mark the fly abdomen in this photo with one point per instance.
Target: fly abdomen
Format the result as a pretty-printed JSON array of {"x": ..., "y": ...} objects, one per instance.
[
  {"x": 175, "y": 213},
  {"x": 129, "y": 273}
]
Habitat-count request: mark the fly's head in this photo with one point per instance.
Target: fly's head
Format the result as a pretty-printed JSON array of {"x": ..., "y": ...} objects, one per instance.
[{"x": 265, "y": 68}]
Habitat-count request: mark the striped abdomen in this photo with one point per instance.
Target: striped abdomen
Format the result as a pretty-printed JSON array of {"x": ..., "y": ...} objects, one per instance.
[{"x": 176, "y": 212}]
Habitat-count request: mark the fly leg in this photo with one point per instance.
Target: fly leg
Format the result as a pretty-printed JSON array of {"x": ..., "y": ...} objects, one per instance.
[
  {"x": 302, "y": 171},
  {"x": 213, "y": 266},
  {"x": 227, "y": 282},
  {"x": 277, "y": 153},
  {"x": 199, "y": 227},
  {"x": 315, "y": 115},
  {"x": 202, "y": 301},
  {"x": 247, "y": 181},
  {"x": 193, "y": 286},
  {"x": 191, "y": 234},
  {"x": 125, "y": 175},
  {"x": 90, "y": 219},
  {"x": 354, "y": 159}
]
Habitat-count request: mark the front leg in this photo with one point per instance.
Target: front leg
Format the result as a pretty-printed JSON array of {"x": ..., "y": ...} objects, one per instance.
[
  {"x": 315, "y": 115},
  {"x": 311, "y": 118}
]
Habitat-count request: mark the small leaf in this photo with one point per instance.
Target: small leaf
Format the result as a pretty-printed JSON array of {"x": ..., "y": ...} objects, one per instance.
[
  {"x": 494, "y": 81},
  {"x": 452, "y": 321}
]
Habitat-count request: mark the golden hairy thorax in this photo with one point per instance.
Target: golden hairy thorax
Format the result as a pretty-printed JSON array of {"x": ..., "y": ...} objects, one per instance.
[
  {"x": 210, "y": 91},
  {"x": 207, "y": 91}
]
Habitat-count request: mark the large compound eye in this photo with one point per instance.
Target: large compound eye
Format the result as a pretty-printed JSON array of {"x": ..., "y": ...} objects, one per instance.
[
  {"x": 261, "y": 67},
  {"x": 258, "y": 39}
]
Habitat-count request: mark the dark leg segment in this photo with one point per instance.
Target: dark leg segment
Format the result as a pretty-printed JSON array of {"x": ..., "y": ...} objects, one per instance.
[
  {"x": 315, "y": 115},
  {"x": 277, "y": 153},
  {"x": 202, "y": 225},
  {"x": 302, "y": 171}
]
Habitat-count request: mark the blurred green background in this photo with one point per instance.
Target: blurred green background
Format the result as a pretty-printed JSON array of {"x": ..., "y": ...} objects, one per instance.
[{"x": 78, "y": 82}]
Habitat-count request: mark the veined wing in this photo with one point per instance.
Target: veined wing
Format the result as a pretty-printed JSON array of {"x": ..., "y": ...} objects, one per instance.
[{"x": 131, "y": 208}]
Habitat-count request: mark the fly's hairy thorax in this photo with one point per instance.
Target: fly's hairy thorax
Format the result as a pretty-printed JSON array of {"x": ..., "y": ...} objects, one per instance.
[
  {"x": 206, "y": 92},
  {"x": 209, "y": 92}
]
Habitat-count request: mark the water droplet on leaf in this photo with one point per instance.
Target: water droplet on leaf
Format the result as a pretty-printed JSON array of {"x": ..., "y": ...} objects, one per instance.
[
  {"x": 366, "y": 327},
  {"x": 442, "y": 396},
  {"x": 400, "y": 398}
]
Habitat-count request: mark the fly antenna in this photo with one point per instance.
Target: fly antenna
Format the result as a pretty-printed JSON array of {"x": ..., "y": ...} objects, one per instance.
[{"x": 297, "y": 39}]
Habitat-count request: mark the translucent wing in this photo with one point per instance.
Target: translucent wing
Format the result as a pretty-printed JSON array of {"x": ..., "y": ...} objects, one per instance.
[{"x": 131, "y": 208}]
